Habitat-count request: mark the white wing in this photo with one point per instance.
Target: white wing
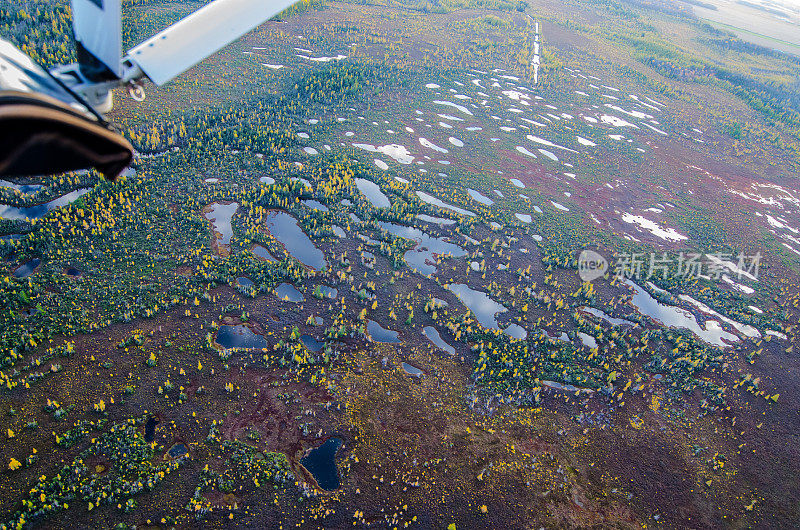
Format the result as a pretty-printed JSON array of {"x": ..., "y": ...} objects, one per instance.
[
  {"x": 98, "y": 27},
  {"x": 192, "y": 39}
]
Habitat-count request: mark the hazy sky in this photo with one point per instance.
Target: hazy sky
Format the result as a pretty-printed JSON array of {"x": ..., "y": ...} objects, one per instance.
[{"x": 793, "y": 3}]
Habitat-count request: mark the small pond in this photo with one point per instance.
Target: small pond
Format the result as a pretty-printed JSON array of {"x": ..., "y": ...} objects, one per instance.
[
  {"x": 516, "y": 331},
  {"x": 321, "y": 463},
  {"x": 262, "y": 252},
  {"x": 26, "y": 269},
  {"x": 287, "y": 292},
  {"x": 221, "y": 217},
  {"x": 311, "y": 343},
  {"x": 373, "y": 192},
  {"x": 480, "y": 197},
  {"x": 433, "y": 335},
  {"x": 40, "y": 210},
  {"x": 423, "y": 256},
  {"x": 413, "y": 370},
  {"x": 611, "y": 320},
  {"x": 381, "y": 334},
  {"x": 483, "y": 307},
  {"x": 430, "y": 199},
  {"x": 315, "y": 205},
  {"x": 286, "y": 230},
  {"x": 150, "y": 429},
  {"x": 325, "y": 291},
  {"x": 240, "y": 336},
  {"x": 178, "y": 450},
  {"x": 672, "y": 316},
  {"x": 339, "y": 231}
]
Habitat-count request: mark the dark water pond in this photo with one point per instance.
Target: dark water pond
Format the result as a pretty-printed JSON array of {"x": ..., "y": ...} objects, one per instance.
[
  {"x": 150, "y": 429},
  {"x": 40, "y": 210},
  {"x": 26, "y": 269},
  {"x": 262, "y": 252},
  {"x": 240, "y": 337},
  {"x": 321, "y": 463},
  {"x": 413, "y": 370},
  {"x": 316, "y": 205},
  {"x": 311, "y": 343},
  {"x": 483, "y": 307},
  {"x": 288, "y": 293},
  {"x": 221, "y": 216},
  {"x": 373, "y": 192},
  {"x": 433, "y": 335},
  {"x": 423, "y": 256},
  {"x": 286, "y": 230},
  {"x": 177, "y": 450},
  {"x": 381, "y": 334}
]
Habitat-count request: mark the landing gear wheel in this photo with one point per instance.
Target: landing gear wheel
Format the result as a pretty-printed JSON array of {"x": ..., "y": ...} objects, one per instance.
[{"x": 136, "y": 91}]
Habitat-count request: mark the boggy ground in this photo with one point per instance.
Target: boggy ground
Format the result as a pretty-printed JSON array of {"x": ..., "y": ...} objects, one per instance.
[
  {"x": 412, "y": 447},
  {"x": 436, "y": 450}
]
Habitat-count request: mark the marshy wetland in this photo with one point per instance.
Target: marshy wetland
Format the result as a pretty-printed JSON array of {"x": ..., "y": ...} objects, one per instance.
[{"x": 342, "y": 286}]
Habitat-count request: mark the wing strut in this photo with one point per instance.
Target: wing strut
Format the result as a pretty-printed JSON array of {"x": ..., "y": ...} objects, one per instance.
[{"x": 101, "y": 67}]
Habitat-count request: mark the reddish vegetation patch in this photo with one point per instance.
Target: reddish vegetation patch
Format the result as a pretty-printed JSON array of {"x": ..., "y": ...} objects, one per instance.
[
  {"x": 561, "y": 37},
  {"x": 221, "y": 500},
  {"x": 530, "y": 172},
  {"x": 273, "y": 412},
  {"x": 535, "y": 446}
]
